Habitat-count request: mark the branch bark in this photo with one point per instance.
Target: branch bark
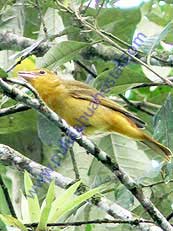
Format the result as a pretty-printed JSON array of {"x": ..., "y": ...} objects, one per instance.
[
  {"x": 13, "y": 109},
  {"x": 11, "y": 41},
  {"x": 11, "y": 157},
  {"x": 90, "y": 147}
]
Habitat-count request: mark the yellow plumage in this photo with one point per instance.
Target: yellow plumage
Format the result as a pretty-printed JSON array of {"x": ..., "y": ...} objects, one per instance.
[{"x": 85, "y": 108}]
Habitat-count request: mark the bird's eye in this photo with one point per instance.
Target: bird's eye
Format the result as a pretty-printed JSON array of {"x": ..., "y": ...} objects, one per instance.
[{"x": 42, "y": 72}]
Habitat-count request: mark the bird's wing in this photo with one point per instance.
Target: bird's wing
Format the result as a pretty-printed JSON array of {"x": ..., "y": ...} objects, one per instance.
[{"x": 90, "y": 94}]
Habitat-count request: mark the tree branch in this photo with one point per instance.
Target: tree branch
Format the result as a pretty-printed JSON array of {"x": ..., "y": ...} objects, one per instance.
[
  {"x": 11, "y": 157},
  {"x": 11, "y": 41},
  {"x": 90, "y": 147},
  {"x": 98, "y": 221},
  {"x": 13, "y": 109}
]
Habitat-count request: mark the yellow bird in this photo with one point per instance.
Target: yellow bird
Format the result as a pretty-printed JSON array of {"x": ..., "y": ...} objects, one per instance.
[{"x": 88, "y": 110}]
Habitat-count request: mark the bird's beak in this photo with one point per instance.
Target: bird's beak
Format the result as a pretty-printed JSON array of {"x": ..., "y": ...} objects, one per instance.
[{"x": 27, "y": 75}]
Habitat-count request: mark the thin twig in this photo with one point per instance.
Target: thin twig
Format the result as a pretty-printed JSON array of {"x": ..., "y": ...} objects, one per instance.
[
  {"x": 138, "y": 107},
  {"x": 86, "y": 8},
  {"x": 130, "y": 46},
  {"x": 7, "y": 197},
  {"x": 170, "y": 216},
  {"x": 154, "y": 84},
  {"x": 98, "y": 221},
  {"x": 100, "y": 8},
  {"x": 41, "y": 18},
  {"x": 154, "y": 184},
  {"x": 108, "y": 190},
  {"x": 86, "y": 68},
  {"x": 75, "y": 167},
  {"x": 140, "y": 103},
  {"x": 16, "y": 63},
  {"x": 117, "y": 39},
  {"x": 13, "y": 109}
]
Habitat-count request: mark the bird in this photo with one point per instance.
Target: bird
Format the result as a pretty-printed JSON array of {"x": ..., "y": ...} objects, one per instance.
[{"x": 87, "y": 109}]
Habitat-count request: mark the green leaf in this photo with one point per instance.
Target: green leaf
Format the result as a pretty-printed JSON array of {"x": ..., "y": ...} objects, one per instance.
[
  {"x": 33, "y": 203},
  {"x": 130, "y": 155},
  {"x": 9, "y": 220},
  {"x": 32, "y": 22},
  {"x": 89, "y": 227},
  {"x": 24, "y": 209},
  {"x": 129, "y": 76},
  {"x": 46, "y": 209},
  {"x": 47, "y": 132},
  {"x": 4, "y": 206},
  {"x": 161, "y": 15},
  {"x": 114, "y": 20},
  {"x": 158, "y": 38},
  {"x": 165, "y": 192},
  {"x": 3, "y": 74},
  {"x": 18, "y": 122},
  {"x": 68, "y": 206},
  {"x": 163, "y": 126},
  {"x": 52, "y": 21},
  {"x": 3, "y": 226},
  {"x": 64, "y": 198},
  {"x": 8, "y": 18},
  {"x": 62, "y": 53},
  {"x": 124, "y": 197}
]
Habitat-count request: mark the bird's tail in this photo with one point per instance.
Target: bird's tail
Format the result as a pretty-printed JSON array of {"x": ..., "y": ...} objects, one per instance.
[{"x": 156, "y": 146}]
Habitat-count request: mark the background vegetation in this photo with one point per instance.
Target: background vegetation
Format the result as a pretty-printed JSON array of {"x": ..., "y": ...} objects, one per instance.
[{"x": 46, "y": 34}]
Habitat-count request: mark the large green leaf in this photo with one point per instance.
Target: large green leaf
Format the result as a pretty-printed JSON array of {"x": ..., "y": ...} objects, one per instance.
[
  {"x": 124, "y": 197},
  {"x": 163, "y": 123},
  {"x": 9, "y": 220},
  {"x": 160, "y": 37},
  {"x": 162, "y": 15},
  {"x": 47, "y": 207},
  {"x": 68, "y": 206},
  {"x": 129, "y": 76},
  {"x": 163, "y": 130},
  {"x": 62, "y": 52},
  {"x": 131, "y": 157},
  {"x": 114, "y": 20},
  {"x": 32, "y": 21},
  {"x": 26, "y": 142},
  {"x": 17, "y": 122},
  {"x": 52, "y": 22},
  {"x": 60, "y": 201},
  {"x": 25, "y": 215},
  {"x": 3, "y": 74},
  {"x": 164, "y": 193},
  {"x": 4, "y": 206},
  {"x": 47, "y": 132},
  {"x": 33, "y": 203},
  {"x": 7, "y": 18}
]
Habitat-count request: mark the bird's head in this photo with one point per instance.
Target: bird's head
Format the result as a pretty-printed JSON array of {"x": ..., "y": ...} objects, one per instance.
[{"x": 39, "y": 77}]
